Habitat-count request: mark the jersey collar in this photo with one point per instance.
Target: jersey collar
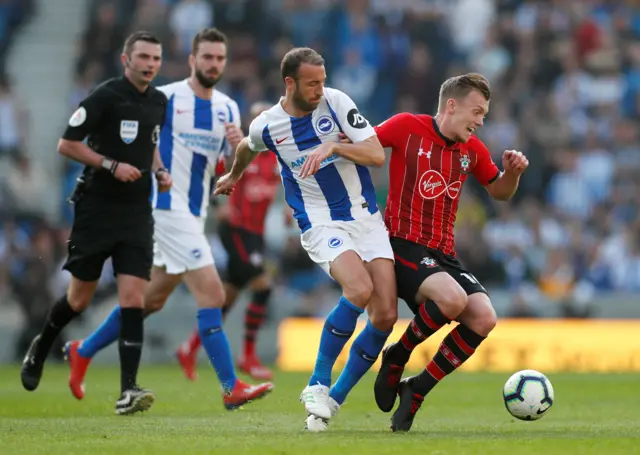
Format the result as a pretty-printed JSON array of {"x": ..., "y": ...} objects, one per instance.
[
  {"x": 134, "y": 89},
  {"x": 448, "y": 142}
]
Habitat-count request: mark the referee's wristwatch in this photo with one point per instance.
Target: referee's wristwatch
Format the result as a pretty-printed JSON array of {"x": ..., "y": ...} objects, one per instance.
[{"x": 110, "y": 165}]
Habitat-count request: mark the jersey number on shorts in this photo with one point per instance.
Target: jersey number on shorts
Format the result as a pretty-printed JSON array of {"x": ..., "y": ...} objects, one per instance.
[{"x": 472, "y": 279}]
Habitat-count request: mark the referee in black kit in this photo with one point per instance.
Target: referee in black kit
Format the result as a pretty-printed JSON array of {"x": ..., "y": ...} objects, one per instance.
[{"x": 113, "y": 218}]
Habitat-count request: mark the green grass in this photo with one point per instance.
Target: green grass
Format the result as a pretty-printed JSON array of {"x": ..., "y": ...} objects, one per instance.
[{"x": 593, "y": 414}]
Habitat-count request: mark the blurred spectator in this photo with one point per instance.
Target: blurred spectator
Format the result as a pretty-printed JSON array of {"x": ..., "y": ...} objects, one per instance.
[
  {"x": 13, "y": 14},
  {"x": 188, "y": 18},
  {"x": 13, "y": 120},
  {"x": 28, "y": 183}
]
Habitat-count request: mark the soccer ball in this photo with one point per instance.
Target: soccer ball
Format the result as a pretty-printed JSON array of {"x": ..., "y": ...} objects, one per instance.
[{"x": 528, "y": 395}]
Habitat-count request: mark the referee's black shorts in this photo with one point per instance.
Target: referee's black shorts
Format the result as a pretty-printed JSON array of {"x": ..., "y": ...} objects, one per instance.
[{"x": 100, "y": 232}]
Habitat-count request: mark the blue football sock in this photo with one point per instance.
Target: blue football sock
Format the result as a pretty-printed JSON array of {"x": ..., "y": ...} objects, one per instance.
[
  {"x": 364, "y": 352},
  {"x": 216, "y": 345},
  {"x": 106, "y": 334},
  {"x": 338, "y": 328}
]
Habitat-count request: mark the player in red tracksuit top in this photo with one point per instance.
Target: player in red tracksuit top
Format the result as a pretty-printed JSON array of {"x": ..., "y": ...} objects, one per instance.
[
  {"x": 242, "y": 235},
  {"x": 431, "y": 159}
]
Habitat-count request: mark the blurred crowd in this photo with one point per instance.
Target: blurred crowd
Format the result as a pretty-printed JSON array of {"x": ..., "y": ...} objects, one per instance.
[{"x": 566, "y": 80}]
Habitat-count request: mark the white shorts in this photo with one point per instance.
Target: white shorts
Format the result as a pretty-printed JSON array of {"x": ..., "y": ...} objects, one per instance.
[
  {"x": 368, "y": 237},
  {"x": 179, "y": 243}
]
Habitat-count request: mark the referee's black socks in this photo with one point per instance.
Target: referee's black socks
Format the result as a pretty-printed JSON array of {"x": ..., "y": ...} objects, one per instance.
[
  {"x": 59, "y": 316},
  {"x": 130, "y": 345}
]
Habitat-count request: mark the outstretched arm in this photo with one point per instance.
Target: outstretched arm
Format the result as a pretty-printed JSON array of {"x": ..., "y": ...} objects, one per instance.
[{"x": 244, "y": 156}]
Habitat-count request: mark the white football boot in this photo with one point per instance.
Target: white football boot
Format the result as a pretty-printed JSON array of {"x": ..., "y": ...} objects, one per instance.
[
  {"x": 316, "y": 400},
  {"x": 316, "y": 424}
]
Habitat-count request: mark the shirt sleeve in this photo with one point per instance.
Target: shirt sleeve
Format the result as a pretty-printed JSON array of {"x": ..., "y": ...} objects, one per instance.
[
  {"x": 352, "y": 122},
  {"x": 485, "y": 169},
  {"x": 393, "y": 131},
  {"x": 87, "y": 117},
  {"x": 256, "y": 142},
  {"x": 233, "y": 117}
]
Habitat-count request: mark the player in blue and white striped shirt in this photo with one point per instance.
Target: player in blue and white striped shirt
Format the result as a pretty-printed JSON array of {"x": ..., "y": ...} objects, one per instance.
[
  {"x": 329, "y": 188},
  {"x": 200, "y": 124}
]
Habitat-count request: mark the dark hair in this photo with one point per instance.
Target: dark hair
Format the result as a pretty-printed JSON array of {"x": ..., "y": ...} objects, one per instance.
[
  {"x": 460, "y": 86},
  {"x": 138, "y": 36},
  {"x": 297, "y": 56},
  {"x": 211, "y": 35}
]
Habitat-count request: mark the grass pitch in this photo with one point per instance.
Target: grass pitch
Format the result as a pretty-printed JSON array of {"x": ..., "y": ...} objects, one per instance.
[{"x": 592, "y": 414}]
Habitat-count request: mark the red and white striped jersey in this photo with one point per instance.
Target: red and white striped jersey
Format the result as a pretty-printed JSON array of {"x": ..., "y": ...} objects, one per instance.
[
  {"x": 254, "y": 193},
  {"x": 426, "y": 174}
]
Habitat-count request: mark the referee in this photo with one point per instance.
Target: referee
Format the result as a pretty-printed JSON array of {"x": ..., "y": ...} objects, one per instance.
[{"x": 121, "y": 119}]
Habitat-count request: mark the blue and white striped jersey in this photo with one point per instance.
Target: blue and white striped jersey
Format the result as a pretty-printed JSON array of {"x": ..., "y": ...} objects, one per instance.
[
  {"x": 191, "y": 140},
  {"x": 341, "y": 190}
]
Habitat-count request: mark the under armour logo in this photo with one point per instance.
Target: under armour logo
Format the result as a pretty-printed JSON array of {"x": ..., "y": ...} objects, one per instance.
[{"x": 422, "y": 153}]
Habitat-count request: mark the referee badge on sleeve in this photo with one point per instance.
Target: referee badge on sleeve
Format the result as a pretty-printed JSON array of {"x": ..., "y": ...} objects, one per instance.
[
  {"x": 128, "y": 131},
  {"x": 78, "y": 117}
]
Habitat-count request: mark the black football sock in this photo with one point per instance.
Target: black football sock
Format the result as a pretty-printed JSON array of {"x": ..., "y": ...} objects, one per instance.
[
  {"x": 454, "y": 350},
  {"x": 59, "y": 316},
  {"x": 426, "y": 322},
  {"x": 130, "y": 346}
]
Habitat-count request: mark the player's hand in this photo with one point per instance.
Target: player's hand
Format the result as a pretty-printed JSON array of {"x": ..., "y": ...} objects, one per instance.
[
  {"x": 225, "y": 185},
  {"x": 234, "y": 134},
  {"x": 344, "y": 139},
  {"x": 315, "y": 159},
  {"x": 514, "y": 161},
  {"x": 165, "y": 182},
  {"x": 127, "y": 173}
]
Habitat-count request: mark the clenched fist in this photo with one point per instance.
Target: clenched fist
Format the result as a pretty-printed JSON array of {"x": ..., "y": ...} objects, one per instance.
[{"x": 514, "y": 161}]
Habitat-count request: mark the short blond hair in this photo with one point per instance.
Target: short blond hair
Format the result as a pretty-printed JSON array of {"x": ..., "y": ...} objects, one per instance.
[{"x": 458, "y": 87}]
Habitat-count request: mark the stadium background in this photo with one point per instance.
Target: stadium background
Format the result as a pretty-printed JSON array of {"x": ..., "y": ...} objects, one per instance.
[{"x": 562, "y": 260}]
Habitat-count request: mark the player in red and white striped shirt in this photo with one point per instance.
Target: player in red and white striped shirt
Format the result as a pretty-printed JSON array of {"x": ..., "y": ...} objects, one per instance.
[{"x": 431, "y": 159}]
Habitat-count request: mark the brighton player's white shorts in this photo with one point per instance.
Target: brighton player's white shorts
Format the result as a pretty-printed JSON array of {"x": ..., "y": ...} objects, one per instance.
[
  {"x": 179, "y": 243},
  {"x": 367, "y": 236}
]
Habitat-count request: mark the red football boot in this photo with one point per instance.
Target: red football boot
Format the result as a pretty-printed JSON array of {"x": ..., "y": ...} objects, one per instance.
[
  {"x": 78, "y": 366},
  {"x": 188, "y": 362},
  {"x": 243, "y": 393},
  {"x": 253, "y": 367}
]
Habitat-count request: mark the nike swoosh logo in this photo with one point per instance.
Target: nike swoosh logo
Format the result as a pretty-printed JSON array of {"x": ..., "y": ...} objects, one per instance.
[
  {"x": 132, "y": 344},
  {"x": 370, "y": 359},
  {"x": 542, "y": 411},
  {"x": 340, "y": 334},
  {"x": 280, "y": 141},
  {"x": 125, "y": 401}
]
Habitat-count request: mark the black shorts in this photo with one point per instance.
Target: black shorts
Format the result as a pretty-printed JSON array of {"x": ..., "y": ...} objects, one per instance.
[
  {"x": 414, "y": 263},
  {"x": 245, "y": 250},
  {"x": 123, "y": 234}
]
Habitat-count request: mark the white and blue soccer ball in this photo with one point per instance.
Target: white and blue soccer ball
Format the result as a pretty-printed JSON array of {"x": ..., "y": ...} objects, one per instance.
[{"x": 528, "y": 395}]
